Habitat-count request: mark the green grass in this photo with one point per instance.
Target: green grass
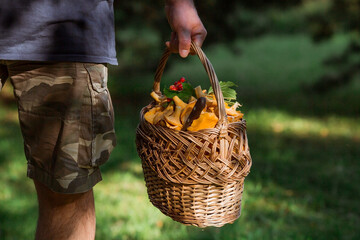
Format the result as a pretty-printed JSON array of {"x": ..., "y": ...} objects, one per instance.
[{"x": 305, "y": 148}]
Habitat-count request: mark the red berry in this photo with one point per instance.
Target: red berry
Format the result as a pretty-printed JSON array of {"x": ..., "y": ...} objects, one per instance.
[
  {"x": 182, "y": 79},
  {"x": 177, "y": 84},
  {"x": 173, "y": 88},
  {"x": 180, "y": 87},
  {"x": 169, "y": 99}
]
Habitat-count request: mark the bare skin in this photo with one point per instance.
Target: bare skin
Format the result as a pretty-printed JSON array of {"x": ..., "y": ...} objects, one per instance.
[
  {"x": 65, "y": 216},
  {"x": 185, "y": 24}
]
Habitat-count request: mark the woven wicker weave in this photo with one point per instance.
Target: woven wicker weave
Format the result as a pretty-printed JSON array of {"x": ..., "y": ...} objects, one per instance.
[{"x": 196, "y": 178}]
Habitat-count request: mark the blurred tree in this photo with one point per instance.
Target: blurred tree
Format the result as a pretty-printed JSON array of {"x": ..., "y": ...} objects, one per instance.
[
  {"x": 343, "y": 16},
  {"x": 142, "y": 29},
  {"x": 138, "y": 33}
]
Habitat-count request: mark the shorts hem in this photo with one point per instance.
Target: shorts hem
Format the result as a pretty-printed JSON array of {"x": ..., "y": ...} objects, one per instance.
[
  {"x": 59, "y": 58},
  {"x": 78, "y": 184}
]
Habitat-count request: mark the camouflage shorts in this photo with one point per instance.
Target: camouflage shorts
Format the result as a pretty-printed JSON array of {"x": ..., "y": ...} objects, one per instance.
[{"x": 66, "y": 118}]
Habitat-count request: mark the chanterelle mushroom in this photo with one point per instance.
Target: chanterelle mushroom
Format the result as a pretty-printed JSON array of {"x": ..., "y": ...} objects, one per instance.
[
  {"x": 161, "y": 115},
  {"x": 157, "y": 98},
  {"x": 232, "y": 110},
  {"x": 179, "y": 102},
  {"x": 174, "y": 119},
  {"x": 199, "y": 93},
  {"x": 192, "y": 98},
  {"x": 206, "y": 120},
  {"x": 149, "y": 115},
  {"x": 211, "y": 100},
  {"x": 186, "y": 111}
]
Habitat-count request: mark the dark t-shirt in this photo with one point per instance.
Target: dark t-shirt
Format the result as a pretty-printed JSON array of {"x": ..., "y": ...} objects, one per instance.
[{"x": 57, "y": 30}]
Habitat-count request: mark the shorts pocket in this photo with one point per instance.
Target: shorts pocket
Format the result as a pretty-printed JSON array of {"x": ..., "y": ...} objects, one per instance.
[
  {"x": 97, "y": 134},
  {"x": 98, "y": 74},
  {"x": 42, "y": 137}
]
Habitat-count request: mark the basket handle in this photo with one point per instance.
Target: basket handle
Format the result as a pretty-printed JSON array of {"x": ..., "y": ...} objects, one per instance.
[{"x": 223, "y": 122}]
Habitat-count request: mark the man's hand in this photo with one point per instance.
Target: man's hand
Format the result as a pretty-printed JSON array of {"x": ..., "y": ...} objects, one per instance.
[{"x": 185, "y": 24}]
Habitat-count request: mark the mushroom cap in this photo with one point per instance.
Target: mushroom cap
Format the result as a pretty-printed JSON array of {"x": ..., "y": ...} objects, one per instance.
[
  {"x": 179, "y": 102},
  {"x": 149, "y": 115},
  {"x": 206, "y": 120}
]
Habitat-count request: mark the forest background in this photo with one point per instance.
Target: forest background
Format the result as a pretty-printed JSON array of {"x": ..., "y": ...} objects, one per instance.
[{"x": 296, "y": 64}]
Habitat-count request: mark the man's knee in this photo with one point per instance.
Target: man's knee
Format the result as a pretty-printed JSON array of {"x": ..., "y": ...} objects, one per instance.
[{"x": 48, "y": 197}]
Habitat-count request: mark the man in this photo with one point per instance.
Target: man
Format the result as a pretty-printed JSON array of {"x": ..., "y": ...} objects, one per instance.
[{"x": 55, "y": 54}]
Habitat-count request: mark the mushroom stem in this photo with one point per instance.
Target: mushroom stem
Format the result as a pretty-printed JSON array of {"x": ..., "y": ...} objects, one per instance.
[
  {"x": 174, "y": 119},
  {"x": 179, "y": 102},
  {"x": 155, "y": 96},
  {"x": 199, "y": 93}
]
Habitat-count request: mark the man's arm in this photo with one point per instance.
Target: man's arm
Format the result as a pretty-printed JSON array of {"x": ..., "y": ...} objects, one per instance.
[{"x": 185, "y": 24}]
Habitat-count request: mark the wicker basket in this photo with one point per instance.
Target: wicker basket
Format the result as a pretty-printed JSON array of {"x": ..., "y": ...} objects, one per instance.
[{"x": 196, "y": 178}]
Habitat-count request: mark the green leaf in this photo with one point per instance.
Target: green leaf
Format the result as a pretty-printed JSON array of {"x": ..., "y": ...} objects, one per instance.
[
  {"x": 229, "y": 94},
  {"x": 184, "y": 94}
]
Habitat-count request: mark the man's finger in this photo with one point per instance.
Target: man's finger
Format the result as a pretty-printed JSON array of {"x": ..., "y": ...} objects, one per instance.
[
  {"x": 184, "y": 43},
  {"x": 173, "y": 44},
  {"x": 199, "y": 38}
]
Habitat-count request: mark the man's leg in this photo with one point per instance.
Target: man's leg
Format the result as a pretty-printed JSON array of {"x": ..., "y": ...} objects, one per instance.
[
  {"x": 65, "y": 216},
  {"x": 67, "y": 122}
]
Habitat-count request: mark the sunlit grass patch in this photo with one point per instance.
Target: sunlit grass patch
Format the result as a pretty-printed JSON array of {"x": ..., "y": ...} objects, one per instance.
[
  {"x": 275, "y": 211},
  {"x": 278, "y": 121},
  {"x": 125, "y": 211}
]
